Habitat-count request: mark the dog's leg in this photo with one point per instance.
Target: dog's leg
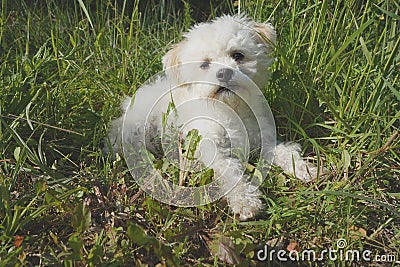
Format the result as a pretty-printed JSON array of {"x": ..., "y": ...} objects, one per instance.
[
  {"x": 244, "y": 199},
  {"x": 241, "y": 195},
  {"x": 287, "y": 156}
]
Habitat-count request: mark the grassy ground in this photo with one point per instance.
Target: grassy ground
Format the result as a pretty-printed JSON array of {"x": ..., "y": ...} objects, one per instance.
[{"x": 64, "y": 68}]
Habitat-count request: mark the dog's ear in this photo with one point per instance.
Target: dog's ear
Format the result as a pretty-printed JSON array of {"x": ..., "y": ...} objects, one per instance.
[
  {"x": 171, "y": 62},
  {"x": 265, "y": 33},
  {"x": 171, "y": 58}
]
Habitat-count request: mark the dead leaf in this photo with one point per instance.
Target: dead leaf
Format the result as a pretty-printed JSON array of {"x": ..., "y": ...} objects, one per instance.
[
  {"x": 357, "y": 232},
  {"x": 223, "y": 248},
  {"x": 18, "y": 239},
  {"x": 293, "y": 246},
  {"x": 276, "y": 243},
  {"x": 226, "y": 251}
]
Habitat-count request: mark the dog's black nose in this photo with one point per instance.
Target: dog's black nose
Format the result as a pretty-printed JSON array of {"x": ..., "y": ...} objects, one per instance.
[{"x": 224, "y": 75}]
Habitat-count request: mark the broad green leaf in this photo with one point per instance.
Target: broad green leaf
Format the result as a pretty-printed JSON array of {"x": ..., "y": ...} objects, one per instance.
[{"x": 81, "y": 218}]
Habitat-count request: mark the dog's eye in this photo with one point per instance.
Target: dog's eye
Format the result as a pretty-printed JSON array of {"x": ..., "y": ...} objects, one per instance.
[
  {"x": 205, "y": 64},
  {"x": 238, "y": 56}
]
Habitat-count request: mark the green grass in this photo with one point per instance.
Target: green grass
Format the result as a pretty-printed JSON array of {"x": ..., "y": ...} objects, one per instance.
[{"x": 64, "y": 70}]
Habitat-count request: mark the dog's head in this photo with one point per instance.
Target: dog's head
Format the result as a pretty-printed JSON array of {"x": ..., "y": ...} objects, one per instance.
[{"x": 218, "y": 52}]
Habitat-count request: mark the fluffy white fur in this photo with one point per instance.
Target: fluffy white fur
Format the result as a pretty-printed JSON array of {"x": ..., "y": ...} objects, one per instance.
[{"x": 212, "y": 49}]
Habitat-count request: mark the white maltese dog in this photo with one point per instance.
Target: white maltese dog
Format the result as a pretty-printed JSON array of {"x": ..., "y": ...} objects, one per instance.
[{"x": 210, "y": 84}]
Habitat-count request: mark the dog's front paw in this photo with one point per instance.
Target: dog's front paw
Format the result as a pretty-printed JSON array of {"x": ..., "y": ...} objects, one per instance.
[
  {"x": 245, "y": 202},
  {"x": 287, "y": 156},
  {"x": 246, "y": 210},
  {"x": 308, "y": 172}
]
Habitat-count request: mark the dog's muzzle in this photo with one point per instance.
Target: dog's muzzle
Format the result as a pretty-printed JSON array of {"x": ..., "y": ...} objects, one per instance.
[{"x": 224, "y": 76}]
